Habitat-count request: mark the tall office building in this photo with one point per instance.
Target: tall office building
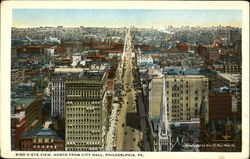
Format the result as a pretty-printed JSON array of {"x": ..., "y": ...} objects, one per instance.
[
  {"x": 58, "y": 78},
  {"x": 185, "y": 91},
  {"x": 86, "y": 112}
]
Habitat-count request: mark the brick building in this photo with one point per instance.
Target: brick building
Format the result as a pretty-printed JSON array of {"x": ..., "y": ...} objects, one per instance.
[
  {"x": 41, "y": 139},
  {"x": 27, "y": 114},
  {"x": 182, "y": 47},
  {"x": 17, "y": 128},
  {"x": 213, "y": 55},
  {"x": 220, "y": 106}
]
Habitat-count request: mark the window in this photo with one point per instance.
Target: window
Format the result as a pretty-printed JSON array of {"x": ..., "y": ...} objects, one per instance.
[{"x": 196, "y": 111}]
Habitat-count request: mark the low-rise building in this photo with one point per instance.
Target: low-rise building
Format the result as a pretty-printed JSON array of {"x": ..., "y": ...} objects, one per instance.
[
  {"x": 17, "y": 76},
  {"x": 41, "y": 139},
  {"x": 26, "y": 114},
  {"x": 232, "y": 68},
  {"x": 17, "y": 128}
]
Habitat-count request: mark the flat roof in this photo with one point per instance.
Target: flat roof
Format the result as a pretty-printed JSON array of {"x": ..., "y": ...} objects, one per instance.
[
  {"x": 231, "y": 77},
  {"x": 41, "y": 131},
  {"x": 182, "y": 71},
  {"x": 21, "y": 101},
  {"x": 68, "y": 69}
]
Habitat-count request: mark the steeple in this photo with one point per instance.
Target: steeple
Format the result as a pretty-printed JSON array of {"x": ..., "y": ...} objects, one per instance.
[
  {"x": 203, "y": 108},
  {"x": 213, "y": 131},
  {"x": 164, "y": 131},
  {"x": 203, "y": 121}
]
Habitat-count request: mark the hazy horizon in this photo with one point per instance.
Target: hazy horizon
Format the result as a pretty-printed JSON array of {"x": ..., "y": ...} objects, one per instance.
[{"x": 119, "y": 18}]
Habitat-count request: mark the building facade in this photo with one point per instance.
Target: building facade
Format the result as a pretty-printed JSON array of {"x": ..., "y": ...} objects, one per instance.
[
  {"x": 232, "y": 68},
  {"x": 26, "y": 115},
  {"x": 221, "y": 106},
  {"x": 86, "y": 112},
  {"x": 184, "y": 95},
  {"x": 17, "y": 128},
  {"x": 17, "y": 76},
  {"x": 58, "y": 78},
  {"x": 233, "y": 82},
  {"x": 41, "y": 139}
]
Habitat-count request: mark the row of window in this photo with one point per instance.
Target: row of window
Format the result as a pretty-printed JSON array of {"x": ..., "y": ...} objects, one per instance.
[
  {"x": 83, "y": 108},
  {"x": 47, "y": 146},
  {"x": 86, "y": 104},
  {"x": 79, "y": 121},
  {"x": 83, "y": 126},
  {"x": 84, "y": 149},
  {"x": 85, "y": 93},
  {"x": 84, "y": 115},
  {"x": 85, "y": 138},
  {"x": 43, "y": 140}
]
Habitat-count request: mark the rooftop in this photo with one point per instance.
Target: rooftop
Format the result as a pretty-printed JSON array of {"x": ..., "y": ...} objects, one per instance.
[
  {"x": 182, "y": 71},
  {"x": 231, "y": 77},
  {"x": 18, "y": 115},
  {"x": 21, "y": 101},
  {"x": 68, "y": 69},
  {"x": 42, "y": 132}
]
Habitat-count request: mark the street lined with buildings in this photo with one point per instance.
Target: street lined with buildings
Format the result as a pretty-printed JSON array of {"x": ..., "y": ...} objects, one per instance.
[{"x": 126, "y": 89}]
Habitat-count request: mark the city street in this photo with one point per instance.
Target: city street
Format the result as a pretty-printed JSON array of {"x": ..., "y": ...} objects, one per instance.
[{"x": 128, "y": 133}]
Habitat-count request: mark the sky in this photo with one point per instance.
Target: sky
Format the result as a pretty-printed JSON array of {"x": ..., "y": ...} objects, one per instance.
[{"x": 124, "y": 17}]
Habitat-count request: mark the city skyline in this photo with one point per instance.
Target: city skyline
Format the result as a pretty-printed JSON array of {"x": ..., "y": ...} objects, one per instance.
[{"x": 145, "y": 18}]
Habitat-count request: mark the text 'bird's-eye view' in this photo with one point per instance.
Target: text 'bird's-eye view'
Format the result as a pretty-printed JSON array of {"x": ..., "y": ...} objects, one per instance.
[{"x": 126, "y": 80}]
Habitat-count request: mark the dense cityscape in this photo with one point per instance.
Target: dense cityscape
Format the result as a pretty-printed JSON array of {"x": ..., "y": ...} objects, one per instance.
[{"x": 126, "y": 89}]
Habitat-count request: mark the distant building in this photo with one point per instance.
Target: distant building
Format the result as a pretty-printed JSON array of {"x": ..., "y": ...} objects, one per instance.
[
  {"x": 17, "y": 76},
  {"x": 144, "y": 59},
  {"x": 232, "y": 81},
  {"x": 217, "y": 44},
  {"x": 218, "y": 67},
  {"x": 34, "y": 49},
  {"x": 41, "y": 139},
  {"x": 86, "y": 112},
  {"x": 58, "y": 78},
  {"x": 213, "y": 55},
  {"x": 202, "y": 51},
  {"x": 232, "y": 68},
  {"x": 13, "y": 52},
  {"x": 182, "y": 47}
]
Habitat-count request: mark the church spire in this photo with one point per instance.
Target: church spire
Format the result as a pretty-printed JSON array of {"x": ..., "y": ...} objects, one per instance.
[{"x": 164, "y": 131}]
